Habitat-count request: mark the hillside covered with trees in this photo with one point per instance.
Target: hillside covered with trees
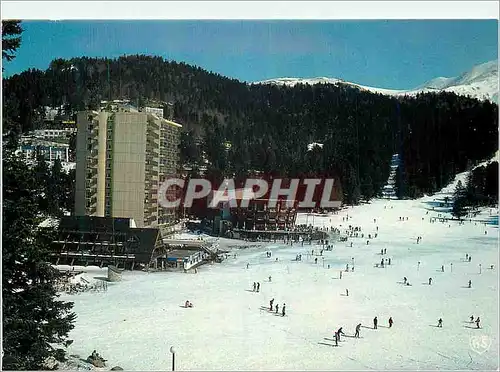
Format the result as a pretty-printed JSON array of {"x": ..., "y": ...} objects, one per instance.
[
  {"x": 480, "y": 190},
  {"x": 243, "y": 128}
]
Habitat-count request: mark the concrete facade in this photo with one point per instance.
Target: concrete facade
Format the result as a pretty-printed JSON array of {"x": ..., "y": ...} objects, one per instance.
[
  {"x": 119, "y": 165},
  {"x": 169, "y": 159}
]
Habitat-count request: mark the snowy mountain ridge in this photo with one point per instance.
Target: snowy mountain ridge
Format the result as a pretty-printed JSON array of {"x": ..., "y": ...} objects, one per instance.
[{"x": 480, "y": 82}]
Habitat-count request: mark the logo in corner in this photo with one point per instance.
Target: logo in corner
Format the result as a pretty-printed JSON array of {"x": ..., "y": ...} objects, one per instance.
[{"x": 480, "y": 344}]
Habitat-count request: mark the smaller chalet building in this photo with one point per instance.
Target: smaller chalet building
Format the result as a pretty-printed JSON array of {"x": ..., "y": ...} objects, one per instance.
[
  {"x": 103, "y": 241},
  {"x": 257, "y": 216},
  {"x": 182, "y": 259}
]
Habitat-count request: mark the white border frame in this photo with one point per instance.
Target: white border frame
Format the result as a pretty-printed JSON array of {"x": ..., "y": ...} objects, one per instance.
[{"x": 200, "y": 10}]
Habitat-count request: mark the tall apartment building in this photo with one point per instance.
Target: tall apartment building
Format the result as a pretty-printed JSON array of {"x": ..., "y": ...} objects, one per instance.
[{"x": 121, "y": 158}]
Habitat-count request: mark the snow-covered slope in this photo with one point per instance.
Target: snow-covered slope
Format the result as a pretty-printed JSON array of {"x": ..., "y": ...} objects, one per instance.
[
  {"x": 324, "y": 80},
  {"x": 137, "y": 320},
  {"x": 480, "y": 82}
]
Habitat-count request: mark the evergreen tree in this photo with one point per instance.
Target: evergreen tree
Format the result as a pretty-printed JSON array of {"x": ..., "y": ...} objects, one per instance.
[
  {"x": 491, "y": 183},
  {"x": 189, "y": 151},
  {"x": 68, "y": 191},
  {"x": 35, "y": 323},
  {"x": 459, "y": 201},
  {"x": 367, "y": 190},
  {"x": 11, "y": 39},
  {"x": 58, "y": 189},
  {"x": 482, "y": 186},
  {"x": 72, "y": 147}
]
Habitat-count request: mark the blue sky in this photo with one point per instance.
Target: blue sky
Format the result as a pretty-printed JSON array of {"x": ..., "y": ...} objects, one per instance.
[{"x": 387, "y": 54}]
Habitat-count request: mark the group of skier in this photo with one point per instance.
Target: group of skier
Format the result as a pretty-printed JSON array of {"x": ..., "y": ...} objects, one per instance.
[
  {"x": 256, "y": 286},
  {"x": 477, "y": 321},
  {"x": 336, "y": 335},
  {"x": 385, "y": 261},
  {"x": 276, "y": 307},
  {"x": 391, "y": 322}
]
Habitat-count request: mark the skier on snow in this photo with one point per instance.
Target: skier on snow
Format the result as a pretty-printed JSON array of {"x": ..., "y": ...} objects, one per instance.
[
  {"x": 358, "y": 327},
  {"x": 390, "y": 322},
  {"x": 375, "y": 321},
  {"x": 440, "y": 323},
  {"x": 477, "y": 322},
  {"x": 339, "y": 332},
  {"x": 271, "y": 305}
]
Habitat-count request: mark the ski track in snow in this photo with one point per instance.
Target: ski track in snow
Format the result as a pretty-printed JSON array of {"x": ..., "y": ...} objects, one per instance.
[{"x": 136, "y": 321}]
